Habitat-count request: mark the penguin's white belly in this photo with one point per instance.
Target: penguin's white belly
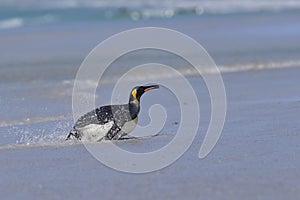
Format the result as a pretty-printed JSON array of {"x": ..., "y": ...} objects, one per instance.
[
  {"x": 95, "y": 132},
  {"x": 129, "y": 126}
]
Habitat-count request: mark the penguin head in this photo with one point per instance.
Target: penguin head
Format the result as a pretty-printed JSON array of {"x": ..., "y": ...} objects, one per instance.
[{"x": 138, "y": 91}]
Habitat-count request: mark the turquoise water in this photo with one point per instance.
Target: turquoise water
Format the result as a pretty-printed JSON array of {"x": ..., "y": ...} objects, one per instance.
[{"x": 33, "y": 12}]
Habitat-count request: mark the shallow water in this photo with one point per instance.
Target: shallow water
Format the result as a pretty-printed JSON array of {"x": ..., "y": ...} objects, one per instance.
[{"x": 256, "y": 156}]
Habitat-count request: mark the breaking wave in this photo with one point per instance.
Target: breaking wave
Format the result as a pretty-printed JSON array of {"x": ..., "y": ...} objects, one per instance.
[
  {"x": 30, "y": 12},
  {"x": 188, "y": 71},
  {"x": 17, "y": 22}
]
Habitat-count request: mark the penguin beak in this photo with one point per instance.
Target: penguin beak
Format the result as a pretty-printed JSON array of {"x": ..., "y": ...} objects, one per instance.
[{"x": 150, "y": 87}]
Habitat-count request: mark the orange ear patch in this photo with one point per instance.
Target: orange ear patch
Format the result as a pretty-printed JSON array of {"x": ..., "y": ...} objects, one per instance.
[{"x": 133, "y": 93}]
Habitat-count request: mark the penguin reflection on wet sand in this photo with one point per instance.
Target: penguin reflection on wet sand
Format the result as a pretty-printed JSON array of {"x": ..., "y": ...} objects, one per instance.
[{"x": 110, "y": 122}]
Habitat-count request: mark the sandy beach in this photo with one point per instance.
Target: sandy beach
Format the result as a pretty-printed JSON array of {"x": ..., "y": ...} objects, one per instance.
[{"x": 256, "y": 156}]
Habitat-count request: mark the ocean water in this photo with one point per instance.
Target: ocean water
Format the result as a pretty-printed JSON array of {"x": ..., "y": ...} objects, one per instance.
[{"x": 43, "y": 44}]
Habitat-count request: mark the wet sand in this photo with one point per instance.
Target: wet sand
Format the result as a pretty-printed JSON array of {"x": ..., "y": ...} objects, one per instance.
[{"x": 255, "y": 158}]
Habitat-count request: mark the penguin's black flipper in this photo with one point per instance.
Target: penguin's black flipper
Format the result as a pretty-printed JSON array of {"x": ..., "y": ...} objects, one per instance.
[{"x": 73, "y": 133}]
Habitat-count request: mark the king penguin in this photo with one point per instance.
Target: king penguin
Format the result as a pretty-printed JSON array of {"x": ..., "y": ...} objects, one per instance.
[{"x": 110, "y": 122}]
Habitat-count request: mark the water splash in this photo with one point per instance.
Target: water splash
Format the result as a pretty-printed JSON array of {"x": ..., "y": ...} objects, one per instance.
[{"x": 38, "y": 137}]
